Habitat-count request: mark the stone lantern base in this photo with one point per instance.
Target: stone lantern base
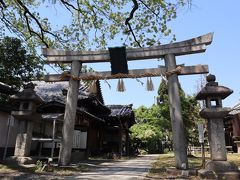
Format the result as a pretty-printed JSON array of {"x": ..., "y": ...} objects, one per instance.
[
  {"x": 21, "y": 160},
  {"x": 220, "y": 170}
]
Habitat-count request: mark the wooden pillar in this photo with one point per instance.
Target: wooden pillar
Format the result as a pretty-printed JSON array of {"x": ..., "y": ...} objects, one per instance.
[
  {"x": 70, "y": 115},
  {"x": 179, "y": 137},
  {"x": 53, "y": 138},
  {"x": 127, "y": 142}
]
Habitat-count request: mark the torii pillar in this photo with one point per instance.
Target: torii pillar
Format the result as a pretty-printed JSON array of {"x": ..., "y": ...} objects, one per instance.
[
  {"x": 70, "y": 115},
  {"x": 179, "y": 137},
  {"x": 168, "y": 52}
]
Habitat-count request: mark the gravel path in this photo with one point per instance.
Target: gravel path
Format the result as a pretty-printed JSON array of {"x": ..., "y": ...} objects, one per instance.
[
  {"x": 121, "y": 170},
  {"x": 131, "y": 169}
]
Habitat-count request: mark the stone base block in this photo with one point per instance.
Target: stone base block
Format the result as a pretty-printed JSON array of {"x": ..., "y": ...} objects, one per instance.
[
  {"x": 21, "y": 160},
  {"x": 220, "y": 170},
  {"x": 220, "y": 166},
  {"x": 228, "y": 175},
  {"x": 179, "y": 172}
]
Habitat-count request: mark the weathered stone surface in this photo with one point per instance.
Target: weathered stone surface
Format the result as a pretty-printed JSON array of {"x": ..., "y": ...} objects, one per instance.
[
  {"x": 69, "y": 116},
  {"x": 227, "y": 175},
  {"x": 179, "y": 138},
  {"x": 220, "y": 170},
  {"x": 214, "y": 113},
  {"x": 24, "y": 139},
  {"x": 21, "y": 160},
  {"x": 191, "y": 46},
  {"x": 135, "y": 73},
  {"x": 211, "y": 78},
  {"x": 216, "y": 138},
  {"x": 212, "y": 89},
  {"x": 219, "y": 166},
  {"x": 178, "y": 172}
]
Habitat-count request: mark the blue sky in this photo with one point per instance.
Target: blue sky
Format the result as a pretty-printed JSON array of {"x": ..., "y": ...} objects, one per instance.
[{"x": 222, "y": 56}]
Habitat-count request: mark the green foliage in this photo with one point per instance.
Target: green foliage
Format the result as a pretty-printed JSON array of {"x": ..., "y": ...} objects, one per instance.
[
  {"x": 154, "y": 123},
  {"x": 190, "y": 111},
  {"x": 90, "y": 23},
  {"x": 147, "y": 137},
  {"x": 162, "y": 92},
  {"x": 39, "y": 166},
  {"x": 17, "y": 66},
  {"x": 191, "y": 117}
]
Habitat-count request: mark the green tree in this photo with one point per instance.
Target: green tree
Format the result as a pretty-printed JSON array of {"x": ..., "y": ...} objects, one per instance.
[
  {"x": 190, "y": 111},
  {"x": 156, "y": 120},
  {"x": 147, "y": 137},
  {"x": 17, "y": 66},
  {"x": 133, "y": 22}
]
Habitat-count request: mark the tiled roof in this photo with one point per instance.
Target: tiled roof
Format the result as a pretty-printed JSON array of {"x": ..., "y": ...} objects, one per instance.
[
  {"x": 120, "y": 110},
  {"x": 6, "y": 89},
  {"x": 235, "y": 109},
  {"x": 53, "y": 91}
]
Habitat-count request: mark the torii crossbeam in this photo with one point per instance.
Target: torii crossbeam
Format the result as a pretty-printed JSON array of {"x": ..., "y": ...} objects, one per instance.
[
  {"x": 136, "y": 73},
  {"x": 167, "y": 52},
  {"x": 191, "y": 46}
]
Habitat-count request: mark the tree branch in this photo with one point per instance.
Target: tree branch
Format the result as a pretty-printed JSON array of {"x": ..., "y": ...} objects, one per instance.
[
  {"x": 42, "y": 30},
  {"x": 148, "y": 8},
  {"x": 2, "y": 3},
  {"x": 127, "y": 23},
  {"x": 67, "y": 4}
]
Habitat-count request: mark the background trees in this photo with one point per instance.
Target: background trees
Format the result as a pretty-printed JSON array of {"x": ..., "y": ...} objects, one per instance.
[
  {"x": 17, "y": 66},
  {"x": 153, "y": 130},
  {"x": 147, "y": 133}
]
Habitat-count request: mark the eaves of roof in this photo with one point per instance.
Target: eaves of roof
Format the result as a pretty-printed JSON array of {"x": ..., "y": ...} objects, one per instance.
[
  {"x": 235, "y": 109},
  {"x": 4, "y": 88}
]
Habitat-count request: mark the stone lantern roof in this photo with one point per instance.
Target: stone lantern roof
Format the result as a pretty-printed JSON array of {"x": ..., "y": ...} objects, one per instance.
[
  {"x": 28, "y": 94},
  {"x": 212, "y": 89}
]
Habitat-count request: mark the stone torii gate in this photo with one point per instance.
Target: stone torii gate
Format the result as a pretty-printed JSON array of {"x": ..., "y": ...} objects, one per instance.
[{"x": 168, "y": 52}]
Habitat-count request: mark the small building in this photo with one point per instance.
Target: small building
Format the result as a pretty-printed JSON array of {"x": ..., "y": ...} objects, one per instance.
[
  {"x": 47, "y": 132},
  {"x": 8, "y": 125},
  {"x": 95, "y": 122},
  {"x": 232, "y": 128},
  {"x": 116, "y": 129}
]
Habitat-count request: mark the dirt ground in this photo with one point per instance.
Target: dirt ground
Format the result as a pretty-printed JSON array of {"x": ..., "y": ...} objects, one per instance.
[{"x": 131, "y": 169}]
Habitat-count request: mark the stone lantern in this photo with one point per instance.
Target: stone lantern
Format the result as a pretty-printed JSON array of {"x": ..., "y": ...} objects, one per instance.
[
  {"x": 26, "y": 114},
  {"x": 213, "y": 94}
]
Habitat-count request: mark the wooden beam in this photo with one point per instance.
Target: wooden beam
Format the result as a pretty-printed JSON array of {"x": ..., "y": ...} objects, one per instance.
[
  {"x": 136, "y": 73},
  {"x": 191, "y": 46}
]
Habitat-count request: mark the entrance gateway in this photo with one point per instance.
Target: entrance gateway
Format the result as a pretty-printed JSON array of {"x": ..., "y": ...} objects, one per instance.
[{"x": 168, "y": 52}]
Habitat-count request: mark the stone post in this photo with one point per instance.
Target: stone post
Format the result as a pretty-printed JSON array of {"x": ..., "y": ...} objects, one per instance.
[
  {"x": 216, "y": 138},
  {"x": 23, "y": 139},
  {"x": 179, "y": 137},
  {"x": 70, "y": 115}
]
